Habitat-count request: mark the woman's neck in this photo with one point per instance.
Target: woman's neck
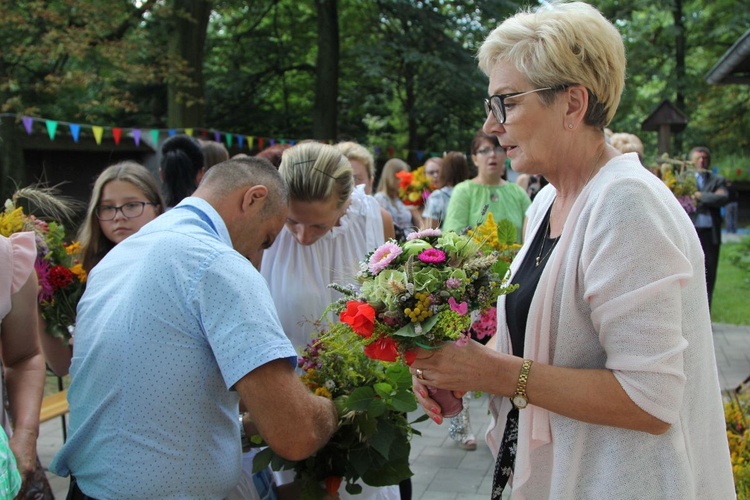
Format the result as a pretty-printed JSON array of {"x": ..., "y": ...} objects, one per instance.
[{"x": 489, "y": 179}]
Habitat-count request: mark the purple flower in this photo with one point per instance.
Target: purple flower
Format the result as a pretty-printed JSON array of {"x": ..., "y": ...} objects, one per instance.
[
  {"x": 432, "y": 256},
  {"x": 453, "y": 283},
  {"x": 424, "y": 233},
  {"x": 384, "y": 255},
  {"x": 41, "y": 267}
]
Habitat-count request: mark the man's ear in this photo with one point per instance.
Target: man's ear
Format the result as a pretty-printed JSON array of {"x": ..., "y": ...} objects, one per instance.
[{"x": 255, "y": 198}]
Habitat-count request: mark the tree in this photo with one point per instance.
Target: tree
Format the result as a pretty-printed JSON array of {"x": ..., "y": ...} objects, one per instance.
[{"x": 325, "y": 125}]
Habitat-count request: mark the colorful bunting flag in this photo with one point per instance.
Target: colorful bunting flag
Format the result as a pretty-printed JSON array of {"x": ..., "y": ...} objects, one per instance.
[
  {"x": 260, "y": 143},
  {"x": 271, "y": 142},
  {"x": 75, "y": 131},
  {"x": 117, "y": 134},
  {"x": 229, "y": 140},
  {"x": 240, "y": 140},
  {"x": 292, "y": 142},
  {"x": 27, "y": 123},
  {"x": 217, "y": 136},
  {"x": 250, "y": 140},
  {"x": 98, "y": 132},
  {"x": 189, "y": 131},
  {"x": 155, "y": 137},
  {"x": 420, "y": 155},
  {"x": 137, "y": 136},
  {"x": 51, "y": 129},
  {"x": 171, "y": 132}
]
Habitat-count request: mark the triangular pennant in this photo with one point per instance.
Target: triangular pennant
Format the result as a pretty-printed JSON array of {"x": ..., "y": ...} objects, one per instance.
[
  {"x": 98, "y": 132},
  {"x": 229, "y": 140},
  {"x": 271, "y": 142},
  {"x": 155, "y": 136},
  {"x": 27, "y": 123},
  {"x": 390, "y": 151},
  {"x": 137, "y": 136},
  {"x": 75, "y": 131},
  {"x": 117, "y": 134},
  {"x": 283, "y": 141},
  {"x": 250, "y": 140},
  {"x": 260, "y": 143},
  {"x": 171, "y": 132},
  {"x": 204, "y": 132},
  {"x": 217, "y": 136},
  {"x": 420, "y": 155},
  {"x": 189, "y": 131},
  {"x": 240, "y": 140},
  {"x": 51, "y": 129},
  {"x": 377, "y": 150}
]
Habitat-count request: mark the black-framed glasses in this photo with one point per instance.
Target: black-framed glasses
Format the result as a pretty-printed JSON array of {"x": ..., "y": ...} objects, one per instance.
[
  {"x": 495, "y": 104},
  {"x": 485, "y": 151},
  {"x": 130, "y": 210}
]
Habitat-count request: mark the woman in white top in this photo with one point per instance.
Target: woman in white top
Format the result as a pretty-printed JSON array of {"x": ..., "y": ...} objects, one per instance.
[
  {"x": 603, "y": 378},
  {"x": 404, "y": 218},
  {"x": 330, "y": 228}
]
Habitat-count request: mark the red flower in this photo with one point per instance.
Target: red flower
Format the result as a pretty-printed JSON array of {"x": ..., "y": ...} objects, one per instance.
[
  {"x": 60, "y": 277},
  {"x": 360, "y": 316},
  {"x": 405, "y": 178},
  {"x": 383, "y": 349},
  {"x": 333, "y": 483},
  {"x": 410, "y": 356}
]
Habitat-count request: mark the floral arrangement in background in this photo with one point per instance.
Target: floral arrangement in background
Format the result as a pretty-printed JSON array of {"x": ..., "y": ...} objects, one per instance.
[
  {"x": 736, "y": 413},
  {"x": 679, "y": 176},
  {"x": 414, "y": 187},
  {"x": 61, "y": 276},
  {"x": 432, "y": 288},
  {"x": 372, "y": 399}
]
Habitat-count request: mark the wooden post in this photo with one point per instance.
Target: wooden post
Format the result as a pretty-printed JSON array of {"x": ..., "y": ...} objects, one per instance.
[{"x": 663, "y": 141}]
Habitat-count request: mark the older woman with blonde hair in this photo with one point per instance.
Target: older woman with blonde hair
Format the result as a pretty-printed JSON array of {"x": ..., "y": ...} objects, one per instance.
[
  {"x": 602, "y": 371},
  {"x": 362, "y": 162}
]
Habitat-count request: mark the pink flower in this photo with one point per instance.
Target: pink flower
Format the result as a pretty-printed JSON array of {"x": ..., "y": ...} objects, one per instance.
[
  {"x": 41, "y": 267},
  {"x": 424, "y": 233},
  {"x": 486, "y": 325},
  {"x": 461, "y": 308},
  {"x": 463, "y": 339},
  {"x": 453, "y": 283},
  {"x": 384, "y": 255},
  {"x": 432, "y": 256}
]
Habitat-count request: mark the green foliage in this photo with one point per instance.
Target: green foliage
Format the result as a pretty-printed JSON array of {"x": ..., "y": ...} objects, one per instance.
[{"x": 732, "y": 285}]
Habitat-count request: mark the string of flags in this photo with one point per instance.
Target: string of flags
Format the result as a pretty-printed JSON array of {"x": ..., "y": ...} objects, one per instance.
[{"x": 153, "y": 135}]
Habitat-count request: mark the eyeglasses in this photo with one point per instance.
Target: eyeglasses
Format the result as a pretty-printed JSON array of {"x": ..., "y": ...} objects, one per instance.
[
  {"x": 485, "y": 151},
  {"x": 130, "y": 210},
  {"x": 496, "y": 103}
]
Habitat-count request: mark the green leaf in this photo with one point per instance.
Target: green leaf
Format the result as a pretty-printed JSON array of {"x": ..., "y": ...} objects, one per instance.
[
  {"x": 376, "y": 408},
  {"x": 419, "y": 420},
  {"x": 383, "y": 389},
  {"x": 262, "y": 459},
  {"x": 409, "y": 331},
  {"x": 506, "y": 232},
  {"x": 393, "y": 471},
  {"x": 383, "y": 439},
  {"x": 399, "y": 375},
  {"x": 360, "y": 399},
  {"x": 404, "y": 401}
]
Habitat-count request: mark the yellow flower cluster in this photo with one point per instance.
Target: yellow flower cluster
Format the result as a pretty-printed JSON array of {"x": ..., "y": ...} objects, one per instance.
[
  {"x": 421, "y": 310},
  {"x": 738, "y": 434},
  {"x": 11, "y": 222}
]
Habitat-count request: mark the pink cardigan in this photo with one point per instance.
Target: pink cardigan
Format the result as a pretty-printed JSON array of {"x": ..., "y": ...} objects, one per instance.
[{"x": 623, "y": 290}]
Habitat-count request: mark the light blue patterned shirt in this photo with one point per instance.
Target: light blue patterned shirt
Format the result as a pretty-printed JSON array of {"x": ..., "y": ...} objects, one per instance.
[{"x": 171, "y": 319}]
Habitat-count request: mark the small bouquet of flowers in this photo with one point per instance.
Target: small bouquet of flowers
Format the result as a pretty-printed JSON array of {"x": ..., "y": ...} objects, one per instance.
[
  {"x": 680, "y": 179},
  {"x": 737, "y": 415},
  {"x": 61, "y": 276},
  {"x": 372, "y": 398},
  {"x": 414, "y": 187},
  {"x": 432, "y": 288}
]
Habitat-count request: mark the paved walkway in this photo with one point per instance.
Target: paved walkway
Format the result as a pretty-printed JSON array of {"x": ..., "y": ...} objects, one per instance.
[{"x": 443, "y": 471}]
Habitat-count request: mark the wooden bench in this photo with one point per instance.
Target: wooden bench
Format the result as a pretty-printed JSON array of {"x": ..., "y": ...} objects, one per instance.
[{"x": 54, "y": 405}]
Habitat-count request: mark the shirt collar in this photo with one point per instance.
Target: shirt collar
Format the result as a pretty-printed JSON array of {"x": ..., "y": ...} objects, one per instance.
[{"x": 209, "y": 215}]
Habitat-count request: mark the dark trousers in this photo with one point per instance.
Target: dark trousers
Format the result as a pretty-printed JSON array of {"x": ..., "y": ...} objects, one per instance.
[
  {"x": 711, "y": 258},
  {"x": 75, "y": 493}
]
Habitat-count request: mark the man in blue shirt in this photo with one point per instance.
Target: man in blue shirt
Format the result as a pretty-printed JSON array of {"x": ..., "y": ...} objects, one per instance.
[{"x": 175, "y": 327}]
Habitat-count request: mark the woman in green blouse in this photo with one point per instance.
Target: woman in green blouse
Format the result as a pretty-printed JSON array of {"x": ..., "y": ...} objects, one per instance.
[{"x": 504, "y": 199}]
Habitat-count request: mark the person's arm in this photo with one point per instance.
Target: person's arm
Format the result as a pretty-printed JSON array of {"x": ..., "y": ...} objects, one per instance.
[
  {"x": 715, "y": 198},
  {"x": 24, "y": 373},
  {"x": 57, "y": 352},
  {"x": 592, "y": 396},
  {"x": 389, "y": 232},
  {"x": 293, "y": 422}
]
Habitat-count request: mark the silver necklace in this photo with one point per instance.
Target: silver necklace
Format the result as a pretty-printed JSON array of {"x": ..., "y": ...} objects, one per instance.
[{"x": 539, "y": 257}]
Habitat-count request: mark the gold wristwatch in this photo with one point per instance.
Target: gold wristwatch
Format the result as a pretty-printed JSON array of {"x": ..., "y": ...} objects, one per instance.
[{"x": 519, "y": 399}]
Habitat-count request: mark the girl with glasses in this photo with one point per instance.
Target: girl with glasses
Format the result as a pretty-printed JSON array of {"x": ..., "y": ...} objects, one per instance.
[{"x": 125, "y": 198}]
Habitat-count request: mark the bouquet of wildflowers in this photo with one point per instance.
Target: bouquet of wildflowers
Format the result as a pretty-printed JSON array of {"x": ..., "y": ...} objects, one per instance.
[
  {"x": 60, "y": 274},
  {"x": 737, "y": 413},
  {"x": 414, "y": 187},
  {"x": 427, "y": 290},
  {"x": 372, "y": 398},
  {"x": 680, "y": 179}
]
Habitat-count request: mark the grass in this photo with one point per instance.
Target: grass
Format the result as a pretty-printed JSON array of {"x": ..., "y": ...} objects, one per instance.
[{"x": 732, "y": 291}]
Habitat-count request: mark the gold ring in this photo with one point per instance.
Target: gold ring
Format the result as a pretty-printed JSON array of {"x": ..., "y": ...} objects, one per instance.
[{"x": 420, "y": 374}]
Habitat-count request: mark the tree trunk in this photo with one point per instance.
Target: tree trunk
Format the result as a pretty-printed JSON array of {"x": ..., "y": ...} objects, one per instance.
[
  {"x": 186, "y": 100},
  {"x": 410, "y": 105},
  {"x": 325, "y": 112},
  {"x": 679, "y": 25}
]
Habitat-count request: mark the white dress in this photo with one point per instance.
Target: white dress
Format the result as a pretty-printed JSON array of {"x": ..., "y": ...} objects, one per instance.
[{"x": 298, "y": 277}]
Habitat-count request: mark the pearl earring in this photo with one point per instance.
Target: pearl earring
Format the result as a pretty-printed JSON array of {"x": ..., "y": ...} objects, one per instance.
[{"x": 570, "y": 125}]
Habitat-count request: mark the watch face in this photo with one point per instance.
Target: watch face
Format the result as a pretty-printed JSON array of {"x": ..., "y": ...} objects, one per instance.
[{"x": 520, "y": 401}]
